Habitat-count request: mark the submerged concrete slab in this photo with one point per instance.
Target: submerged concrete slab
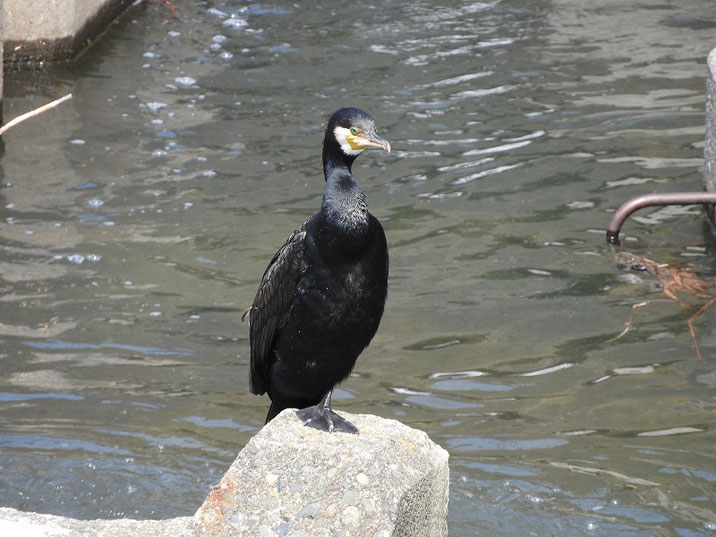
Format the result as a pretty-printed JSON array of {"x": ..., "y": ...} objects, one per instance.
[
  {"x": 21, "y": 524},
  {"x": 40, "y": 30},
  {"x": 291, "y": 480}
]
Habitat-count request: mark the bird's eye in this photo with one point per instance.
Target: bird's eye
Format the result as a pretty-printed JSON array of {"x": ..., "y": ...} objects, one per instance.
[{"x": 354, "y": 132}]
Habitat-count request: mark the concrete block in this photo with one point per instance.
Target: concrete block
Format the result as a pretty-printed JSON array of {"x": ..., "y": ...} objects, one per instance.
[
  {"x": 40, "y": 30},
  {"x": 21, "y": 524},
  {"x": 291, "y": 480}
]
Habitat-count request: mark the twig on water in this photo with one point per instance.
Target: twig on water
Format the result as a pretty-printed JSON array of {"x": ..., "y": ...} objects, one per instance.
[{"x": 33, "y": 113}]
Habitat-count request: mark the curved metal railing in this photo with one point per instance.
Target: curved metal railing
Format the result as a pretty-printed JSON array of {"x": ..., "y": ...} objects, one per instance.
[{"x": 649, "y": 200}]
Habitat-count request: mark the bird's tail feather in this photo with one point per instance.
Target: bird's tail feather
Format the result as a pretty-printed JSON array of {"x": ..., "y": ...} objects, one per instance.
[{"x": 273, "y": 411}]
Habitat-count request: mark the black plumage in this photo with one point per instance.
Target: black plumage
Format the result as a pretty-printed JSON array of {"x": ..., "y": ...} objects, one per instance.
[{"x": 322, "y": 296}]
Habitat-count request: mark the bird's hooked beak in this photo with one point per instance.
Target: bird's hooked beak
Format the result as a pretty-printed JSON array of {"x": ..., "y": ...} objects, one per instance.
[{"x": 373, "y": 140}]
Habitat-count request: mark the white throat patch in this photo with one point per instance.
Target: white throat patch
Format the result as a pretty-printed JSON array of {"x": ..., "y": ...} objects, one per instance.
[{"x": 344, "y": 139}]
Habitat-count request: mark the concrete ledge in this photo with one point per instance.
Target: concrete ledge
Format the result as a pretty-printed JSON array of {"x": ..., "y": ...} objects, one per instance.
[
  {"x": 40, "y": 30},
  {"x": 294, "y": 481},
  {"x": 710, "y": 142},
  {"x": 20, "y": 524}
]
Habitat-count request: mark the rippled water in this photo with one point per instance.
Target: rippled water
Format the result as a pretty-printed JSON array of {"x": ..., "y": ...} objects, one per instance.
[{"x": 138, "y": 218}]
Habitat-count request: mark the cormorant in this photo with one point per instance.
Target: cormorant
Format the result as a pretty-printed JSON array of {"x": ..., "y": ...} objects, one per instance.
[{"x": 322, "y": 295}]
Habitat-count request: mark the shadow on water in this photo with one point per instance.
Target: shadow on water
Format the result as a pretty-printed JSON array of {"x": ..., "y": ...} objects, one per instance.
[{"x": 138, "y": 218}]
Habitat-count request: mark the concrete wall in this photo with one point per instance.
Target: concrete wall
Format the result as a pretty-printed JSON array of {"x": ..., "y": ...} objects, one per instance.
[
  {"x": 710, "y": 142},
  {"x": 40, "y": 30},
  {"x": 710, "y": 145},
  {"x": 46, "y": 19}
]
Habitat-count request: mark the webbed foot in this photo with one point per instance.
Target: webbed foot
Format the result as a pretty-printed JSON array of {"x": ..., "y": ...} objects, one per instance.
[{"x": 321, "y": 417}]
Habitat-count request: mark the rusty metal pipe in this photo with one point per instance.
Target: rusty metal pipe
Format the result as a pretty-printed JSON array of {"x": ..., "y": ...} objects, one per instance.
[{"x": 648, "y": 200}]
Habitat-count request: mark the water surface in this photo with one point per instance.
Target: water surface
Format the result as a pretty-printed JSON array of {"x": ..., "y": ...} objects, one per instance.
[{"x": 138, "y": 218}]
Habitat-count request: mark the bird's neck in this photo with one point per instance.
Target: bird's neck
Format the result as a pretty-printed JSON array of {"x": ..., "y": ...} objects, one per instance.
[
  {"x": 344, "y": 222},
  {"x": 343, "y": 207},
  {"x": 334, "y": 158}
]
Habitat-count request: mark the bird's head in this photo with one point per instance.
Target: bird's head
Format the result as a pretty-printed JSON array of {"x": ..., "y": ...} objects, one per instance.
[{"x": 354, "y": 131}]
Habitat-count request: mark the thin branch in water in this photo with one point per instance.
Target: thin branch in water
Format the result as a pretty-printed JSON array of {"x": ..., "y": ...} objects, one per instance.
[{"x": 33, "y": 113}]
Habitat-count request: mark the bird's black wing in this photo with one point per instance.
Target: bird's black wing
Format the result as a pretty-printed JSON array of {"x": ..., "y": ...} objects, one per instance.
[{"x": 272, "y": 306}]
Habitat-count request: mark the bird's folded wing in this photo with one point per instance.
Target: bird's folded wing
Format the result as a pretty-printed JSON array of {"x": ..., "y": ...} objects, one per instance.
[{"x": 272, "y": 306}]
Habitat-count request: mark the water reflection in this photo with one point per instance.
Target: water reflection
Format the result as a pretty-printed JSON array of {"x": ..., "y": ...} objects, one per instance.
[{"x": 137, "y": 220}]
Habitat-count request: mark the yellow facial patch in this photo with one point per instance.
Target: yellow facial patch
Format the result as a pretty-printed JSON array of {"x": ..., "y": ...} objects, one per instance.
[
  {"x": 356, "y": 142},
  {"x": 351, "y": 144}
]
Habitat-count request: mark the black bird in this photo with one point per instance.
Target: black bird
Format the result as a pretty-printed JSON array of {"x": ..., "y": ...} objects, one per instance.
[{"x": 322, "y": 295}]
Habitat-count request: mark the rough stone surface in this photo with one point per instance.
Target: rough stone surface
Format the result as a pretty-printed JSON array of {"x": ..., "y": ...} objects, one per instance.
[
  {"x": 21, "y": 524},
  {"x": 291, "y": 480},
  {"x": 54, "y": 29},
  {"x": 710, "y": 142}
]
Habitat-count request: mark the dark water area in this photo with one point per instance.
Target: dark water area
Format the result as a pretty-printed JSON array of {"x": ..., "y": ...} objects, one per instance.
[{"x": 138, "y": 218}]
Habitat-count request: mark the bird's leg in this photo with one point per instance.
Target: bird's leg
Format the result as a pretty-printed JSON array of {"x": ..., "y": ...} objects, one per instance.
[{"x": 321, "y": 417}]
